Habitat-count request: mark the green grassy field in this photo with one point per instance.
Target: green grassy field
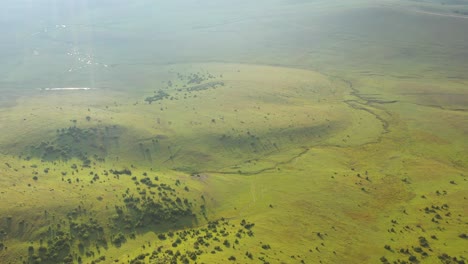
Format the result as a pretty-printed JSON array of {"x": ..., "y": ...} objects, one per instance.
[{"x": 324, "y": 133}]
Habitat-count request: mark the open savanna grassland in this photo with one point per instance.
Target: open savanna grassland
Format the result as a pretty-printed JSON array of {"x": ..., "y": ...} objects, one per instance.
[
  {"x": 71, "y": 156},
  {"x": 351, "y": 149},
  {"x": 242, "y": 162}
]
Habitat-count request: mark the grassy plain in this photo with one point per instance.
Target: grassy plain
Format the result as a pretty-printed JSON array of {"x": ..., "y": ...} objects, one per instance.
[{"x": 341, "y": 155}]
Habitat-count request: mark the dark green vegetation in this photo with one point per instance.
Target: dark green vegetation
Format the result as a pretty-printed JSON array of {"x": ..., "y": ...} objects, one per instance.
[
  {"x": 188, "y": 84},
  {"x": 149, "y": 206},
  {"x": 74, "y": 142},
  {"x": 218, "y": 236},
  {"x": 159, "y": 96},
  {"x": 154, "y": 204}
]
